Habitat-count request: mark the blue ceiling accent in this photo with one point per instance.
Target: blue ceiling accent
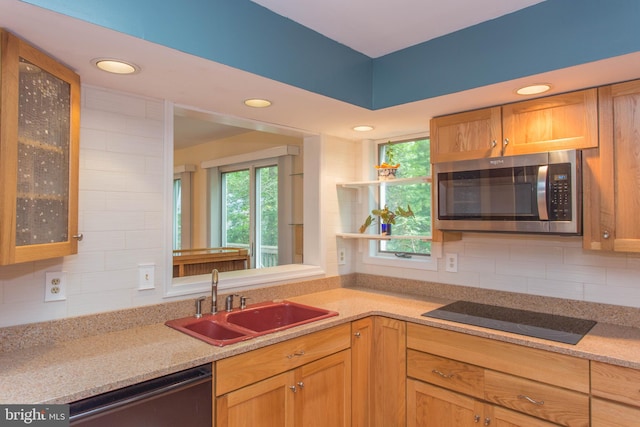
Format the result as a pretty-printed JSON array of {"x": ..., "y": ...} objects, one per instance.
[{"x": 550, "y": 35}]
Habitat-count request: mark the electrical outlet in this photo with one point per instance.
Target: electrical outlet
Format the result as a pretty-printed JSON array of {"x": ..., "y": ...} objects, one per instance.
[
  {"x": 342, "y": 256},
  {"x": 146, "y": 276},
  {"x": 451, "y": 261},
  {"x": 55, "y": 286}
]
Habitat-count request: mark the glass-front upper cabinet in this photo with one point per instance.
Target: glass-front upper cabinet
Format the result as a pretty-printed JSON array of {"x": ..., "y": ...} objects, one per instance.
[{"x": 39, "y": 143}]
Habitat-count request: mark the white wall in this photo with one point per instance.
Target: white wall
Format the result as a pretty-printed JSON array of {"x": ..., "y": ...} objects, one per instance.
[
  {"x": 120, "y": 214},
  {"x": 122, "y": 179}
]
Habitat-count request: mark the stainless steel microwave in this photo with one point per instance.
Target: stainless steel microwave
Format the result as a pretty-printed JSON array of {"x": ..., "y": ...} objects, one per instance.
[{"x": 532, "y": 193}]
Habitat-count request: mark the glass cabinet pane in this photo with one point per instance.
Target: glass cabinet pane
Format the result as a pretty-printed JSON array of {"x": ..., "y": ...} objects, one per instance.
[{"x": 42, "y": 206}]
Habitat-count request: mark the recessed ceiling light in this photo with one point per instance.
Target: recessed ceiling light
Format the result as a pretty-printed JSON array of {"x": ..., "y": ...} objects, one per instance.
[
  {"x": 534, "y": 89},
  {"x": 115, "y": 66},
  {"x": 363, "y": 128},
  {"x": 257, "y": 103}
]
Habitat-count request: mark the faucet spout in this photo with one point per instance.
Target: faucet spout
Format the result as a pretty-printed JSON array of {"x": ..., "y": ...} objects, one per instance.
[{"x": 214, "y": 291}]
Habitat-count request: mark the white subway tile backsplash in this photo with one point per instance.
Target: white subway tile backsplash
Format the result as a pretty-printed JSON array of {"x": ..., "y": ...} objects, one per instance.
[
  {"x": 609, "y": 294},
  {"x": 146, "y": 239},
  {"x": 575, "y": 273},
  {"x": 114, "y": 221},
  {"x": 92, "y": 201},
  {"x": 103, "y": 241},
  {"x": 540, "y": 253},
  {"x": 501, "y": 282},
  {"x": 579, "y": 256},
  {"x": 114, "y": 102},
  {"x": 556, "y": 288},
  {"x": 623, "y": 278},
  {"x": 136, "y": 202},
  {"x": 524, "y": 269},
  {"x": 113, "y": 162},
  {"x": 133, "y": 144}
]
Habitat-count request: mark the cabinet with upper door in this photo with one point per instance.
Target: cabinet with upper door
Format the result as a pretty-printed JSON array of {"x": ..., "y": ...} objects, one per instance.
[
  {"x": 303, "y": 381},
  {"x": 467, "y": 380},
  {"x": 557, "y": 122},
  {"x": 610, "y": 178},
  {"x": 39, "y": 141}
]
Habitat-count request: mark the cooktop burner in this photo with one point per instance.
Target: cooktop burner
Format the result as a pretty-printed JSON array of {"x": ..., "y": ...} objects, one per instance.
[{"x": 568, "y": 330}]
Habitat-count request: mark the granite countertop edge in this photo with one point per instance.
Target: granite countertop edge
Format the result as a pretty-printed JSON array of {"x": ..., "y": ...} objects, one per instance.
[{"x": 68, "y": 371}]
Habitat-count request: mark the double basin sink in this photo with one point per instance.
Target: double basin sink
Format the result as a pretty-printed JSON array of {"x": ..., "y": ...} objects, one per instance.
[{"x": 226, "y": 328}]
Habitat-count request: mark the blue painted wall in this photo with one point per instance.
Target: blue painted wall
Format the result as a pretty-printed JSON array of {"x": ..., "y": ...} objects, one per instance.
[{"x": 550, "y": 35}]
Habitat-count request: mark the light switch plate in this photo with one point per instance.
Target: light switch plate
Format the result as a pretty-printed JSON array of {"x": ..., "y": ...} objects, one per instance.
[{"x": 146, "y": 276}]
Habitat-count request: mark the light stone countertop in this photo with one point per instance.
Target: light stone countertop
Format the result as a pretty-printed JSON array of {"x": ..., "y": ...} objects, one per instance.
[{"x": 72, "y": 370}]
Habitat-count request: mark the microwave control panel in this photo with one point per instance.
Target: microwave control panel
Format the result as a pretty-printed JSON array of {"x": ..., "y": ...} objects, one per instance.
[{"x": 560, "y": 192}]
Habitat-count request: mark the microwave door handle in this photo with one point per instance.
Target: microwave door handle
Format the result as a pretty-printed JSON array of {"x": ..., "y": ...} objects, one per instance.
[{"x": 543, "y": 212}]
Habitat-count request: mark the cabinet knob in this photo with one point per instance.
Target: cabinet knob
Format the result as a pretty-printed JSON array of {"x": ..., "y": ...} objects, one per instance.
[
  {"x": 301, "y": 384},
  {"x": 78, "y": 237},
  {"x": 487, "y": 421},
  {"x": 506, "y": 142},
  {"x": 476, "y": 418},
  {"x": 357, "y": 334},
  {"x": 605, "y": 234},
  {"x": 494, "y": 143},
  {"x": 293, "y": 388}
]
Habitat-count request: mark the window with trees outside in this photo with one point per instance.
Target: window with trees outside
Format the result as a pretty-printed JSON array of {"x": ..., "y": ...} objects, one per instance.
[
  {"x": 414, "y": 159},
  {"x": 250, "y": 212}
]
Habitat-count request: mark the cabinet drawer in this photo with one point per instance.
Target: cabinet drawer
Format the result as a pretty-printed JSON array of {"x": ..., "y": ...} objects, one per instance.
[
  {"x": 539, "y": 365},
  {"x": 247, "y": 368},
  {"x": 615, "y": 383},
  {"x": 610, "y": 414},
  {"x": 564, "y": 407},
  {"x": 447, "y": 373}
]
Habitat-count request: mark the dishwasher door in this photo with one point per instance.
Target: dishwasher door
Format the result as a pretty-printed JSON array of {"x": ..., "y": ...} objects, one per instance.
[{"x": 180, "y": 399}]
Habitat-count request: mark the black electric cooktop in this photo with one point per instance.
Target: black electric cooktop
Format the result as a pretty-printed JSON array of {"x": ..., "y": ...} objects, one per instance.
[{"x": 568, "y": 330}]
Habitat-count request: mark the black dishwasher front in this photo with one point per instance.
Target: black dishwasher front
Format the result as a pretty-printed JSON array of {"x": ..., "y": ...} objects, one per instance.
[{"x": 180, "y": 399}]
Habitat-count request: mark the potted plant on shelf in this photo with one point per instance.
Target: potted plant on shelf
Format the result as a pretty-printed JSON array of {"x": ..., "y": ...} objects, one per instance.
[
  {"x": 387, "y": 169},
  {"x": 386, "y": 218}
]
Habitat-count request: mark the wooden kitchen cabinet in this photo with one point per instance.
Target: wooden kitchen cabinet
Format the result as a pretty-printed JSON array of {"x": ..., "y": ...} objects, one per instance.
[
  {"x": 611, "y": 181},
  {"x": 431, "y": 406},
  {"x": 302, "y": 381},
  {"x": 471, "y": 378},
  {"x": 615, "y": 395},
  {"x": 379, "y": 372},
  {"x": 468, "y": 135},
  {"x": 557, "y": 122},
  {"x": 39, "y": 142}
]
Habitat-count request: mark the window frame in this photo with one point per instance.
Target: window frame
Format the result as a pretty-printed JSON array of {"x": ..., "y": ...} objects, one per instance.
[{"x": 372, "y": 256}]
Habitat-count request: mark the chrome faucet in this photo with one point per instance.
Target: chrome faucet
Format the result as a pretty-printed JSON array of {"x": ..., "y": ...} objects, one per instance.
[{"x": 214, "y": 291}]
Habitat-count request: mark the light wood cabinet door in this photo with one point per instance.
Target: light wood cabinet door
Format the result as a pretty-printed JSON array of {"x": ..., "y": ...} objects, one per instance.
[
  {"x": 323, "y": 396},
  {"x": 39, "y": 144},
  {"x": 430, "y": 406},
  {"x": 389, "y": 372},
  {"x": 361, "y": 372},
  {"x": 469, "y": 135},
  {"x": 611, "y": 414},
  {"x": 611, "y": 181},
  {"x": 558, "y": 122},
  {"x": 268, "y": 403}
]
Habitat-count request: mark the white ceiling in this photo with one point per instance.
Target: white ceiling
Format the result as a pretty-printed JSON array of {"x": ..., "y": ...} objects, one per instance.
[
  {"x": 379, "y": 27},
  {"x": 207, "y": 86}
]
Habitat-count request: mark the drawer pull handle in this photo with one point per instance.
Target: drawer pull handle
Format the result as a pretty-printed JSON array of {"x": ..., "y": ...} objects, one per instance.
[
  {"x": 528, "y": 399},
  {"x": 442, "y": 374},
  {"x": 296, "y": 354}
]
